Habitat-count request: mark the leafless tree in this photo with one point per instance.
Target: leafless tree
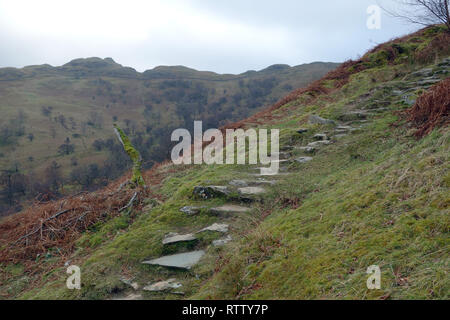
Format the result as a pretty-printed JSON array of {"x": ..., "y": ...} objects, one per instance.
[{"x": 423, "y": 12}]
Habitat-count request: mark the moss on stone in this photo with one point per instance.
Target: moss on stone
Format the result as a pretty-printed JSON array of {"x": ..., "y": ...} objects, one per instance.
[{"x": 134, "y": 155}]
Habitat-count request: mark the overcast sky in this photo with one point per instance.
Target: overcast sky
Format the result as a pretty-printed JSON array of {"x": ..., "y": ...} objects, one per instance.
[{"x": 225, "y": 36}]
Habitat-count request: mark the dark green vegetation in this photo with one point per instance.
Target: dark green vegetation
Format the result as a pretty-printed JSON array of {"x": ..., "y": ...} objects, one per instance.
[
  {"x": 376, "y": 195},
  {"x": 65, "y": 115}
]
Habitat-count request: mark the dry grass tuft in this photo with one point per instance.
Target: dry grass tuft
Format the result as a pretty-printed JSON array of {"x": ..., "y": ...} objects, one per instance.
[{"x": 431, "y": 109}]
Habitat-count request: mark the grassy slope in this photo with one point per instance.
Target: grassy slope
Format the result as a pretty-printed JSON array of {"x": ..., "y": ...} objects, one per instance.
[{"x": 377, "y": 196}]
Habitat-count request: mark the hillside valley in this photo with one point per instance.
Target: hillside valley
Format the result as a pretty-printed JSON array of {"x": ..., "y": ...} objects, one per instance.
[{"x": 56, "y": 132}]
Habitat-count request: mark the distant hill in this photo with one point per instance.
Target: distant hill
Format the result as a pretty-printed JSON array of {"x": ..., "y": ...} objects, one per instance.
[{"x": 65, "y": 114}]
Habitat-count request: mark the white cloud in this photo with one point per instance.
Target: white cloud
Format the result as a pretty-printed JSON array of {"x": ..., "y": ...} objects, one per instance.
[{"x": 224, "y": 36}]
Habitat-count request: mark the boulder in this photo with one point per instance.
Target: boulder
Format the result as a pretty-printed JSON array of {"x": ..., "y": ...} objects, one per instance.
[{"x": 211, "y": 192}]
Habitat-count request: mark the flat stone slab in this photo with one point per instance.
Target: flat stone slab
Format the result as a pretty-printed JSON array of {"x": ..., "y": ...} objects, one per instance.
[
  {"x": 163, "y": 286},
  {"x": 346, "y": 128},
  {"x": 131, "y": 296},
  {"x": 189, "y": 210},
  {"x": 304, "y": 159},
  {"x": 318, "y": 144},
  {"x": 250, "y": 191},
  {"x": 129, "y": 282},
  {"x": 222, "y": 242},
  {"x": 238, "y": 183},
  {"x": 320, "y": 137},
  {"x": 182, "y": 260},
  {"x": 230, "y": 208},
  {"x": 216, "y": 227},
  {"x": 175, "y": 238},
  {"x": 269, "y": 173}
]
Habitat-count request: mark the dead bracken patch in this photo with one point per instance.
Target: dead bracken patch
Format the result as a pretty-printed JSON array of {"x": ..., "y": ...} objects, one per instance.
[
  {"x": 56, "y": 225},
  {"x": 431, "y": 109}
]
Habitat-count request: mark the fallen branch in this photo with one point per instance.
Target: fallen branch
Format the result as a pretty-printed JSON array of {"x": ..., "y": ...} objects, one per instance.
[
  {"x": 129, "y": 203},
  {"x": 42, "y": 224}
]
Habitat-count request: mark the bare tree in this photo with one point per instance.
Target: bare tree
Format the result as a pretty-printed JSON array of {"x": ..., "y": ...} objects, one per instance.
[{"x": 423, "y": 12}]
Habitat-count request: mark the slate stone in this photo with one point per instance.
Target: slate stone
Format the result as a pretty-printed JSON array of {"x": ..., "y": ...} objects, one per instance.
[
  {"x": 131, "y": 296},
  {"x": 248, "y": 191},
  {"x": 353, "y": 115},
  {"x": 163, "y": 286},
  {"x": 175, "y": 238},
  {"x": 216, "y": 227},
  {"x": 303, "y": 159},
  {"x": 182, "y": 260},
  {"x": 313, "y": 119},
  {"x": 238, "y": 183},
  {"x": 191, "y": 210},
  {"x": 318, "y": 144},
  {"x": 222, "y": 242},
  {"x": 307, "y": 149},
  {"x": 320, "y": 137},
  {"x": 229, "y": 208},
  {"x": 211, "y": 192},
  {"x": 130, "y": 283}
]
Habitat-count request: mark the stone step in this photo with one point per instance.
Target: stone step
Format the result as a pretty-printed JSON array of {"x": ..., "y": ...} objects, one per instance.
[
  {"x": 229, "y": 209},
  {"x": 181, "y": 260},
  {"x": 354, "y": 115},
  {"x": 222, "y": 242},
  {"x": 313, "y": 119},
  {"x": 209, "y": 192},
  {"x": 320, "y": 137},
  {"x": 190, "y": 210},
  {"x": 216, "y": 227},
  {"x": 176, "y": 238},
  {"x": 162, "y": 286},
  {"x": 307, "y": 149},
  {"x": 318, "y": 144},
  {"x": 129, "y": 297},
  {"x": 304, "y": 159},
  {"x": 251, "y": 191}
]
